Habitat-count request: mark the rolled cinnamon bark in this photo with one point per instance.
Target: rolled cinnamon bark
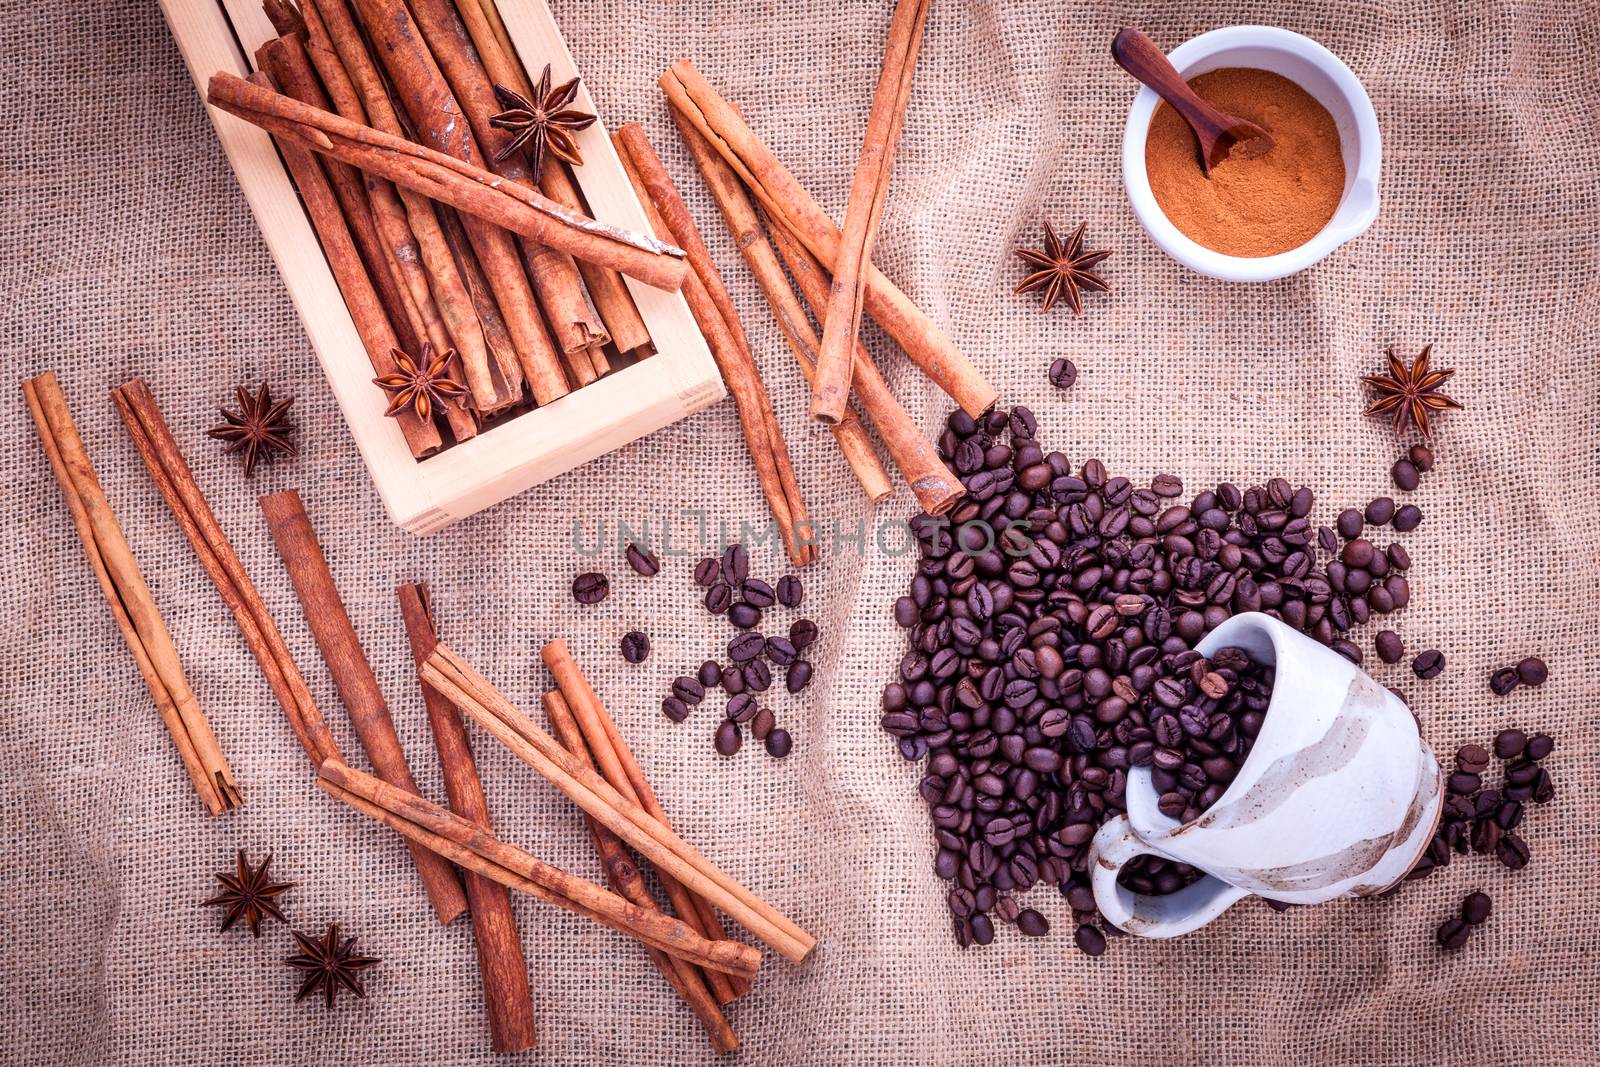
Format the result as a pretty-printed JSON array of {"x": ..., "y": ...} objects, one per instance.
[
  {"x": 352, "y": 676},
  {"x": 493, "y": 372},
  {"x": 494, "y": 927},
  {"x": 759, "y": 423},
  {"x": 132, "y": 606},
  {"x": 936, "y": 488},
  {"x": 830, "y": 391},
  {"x": 847, "y": 430},
  {"x": 366, "y": 311},
  {"x": 554, "y": 273},
  {"x": 790, "y": 205}
]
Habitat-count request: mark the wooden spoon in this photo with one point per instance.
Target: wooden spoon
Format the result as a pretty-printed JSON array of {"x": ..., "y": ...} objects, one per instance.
[{"x": 1218, "y": 131}]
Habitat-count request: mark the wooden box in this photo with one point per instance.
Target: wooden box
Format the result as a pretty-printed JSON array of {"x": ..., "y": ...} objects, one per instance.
[{"x": 427, "y": 495}]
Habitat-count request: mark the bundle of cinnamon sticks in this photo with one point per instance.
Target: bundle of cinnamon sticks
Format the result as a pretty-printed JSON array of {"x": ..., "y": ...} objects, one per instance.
[{"x": 437, "y": 239}]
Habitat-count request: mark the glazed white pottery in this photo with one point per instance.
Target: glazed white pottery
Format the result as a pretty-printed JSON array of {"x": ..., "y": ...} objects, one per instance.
[
  {"x": 1339, "y": 797},
  {"x": 1317, "y": 71}
]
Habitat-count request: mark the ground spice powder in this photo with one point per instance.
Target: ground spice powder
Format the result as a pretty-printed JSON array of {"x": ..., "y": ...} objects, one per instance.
[{"x": 1256, "y": 202}]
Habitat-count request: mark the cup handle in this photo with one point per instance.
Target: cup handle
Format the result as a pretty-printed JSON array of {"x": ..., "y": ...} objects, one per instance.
[{"x": 1150, "y": 916}]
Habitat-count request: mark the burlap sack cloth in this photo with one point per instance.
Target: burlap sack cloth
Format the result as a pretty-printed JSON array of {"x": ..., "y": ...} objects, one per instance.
[{"x": 128, "y": 249}]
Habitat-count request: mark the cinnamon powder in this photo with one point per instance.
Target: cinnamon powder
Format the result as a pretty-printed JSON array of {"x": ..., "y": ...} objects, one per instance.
[{"x": 1257, "y": 202}]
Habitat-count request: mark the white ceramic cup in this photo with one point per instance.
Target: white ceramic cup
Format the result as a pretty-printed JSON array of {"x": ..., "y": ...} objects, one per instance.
[
  {"x": 1317, "y": 71},
  {"x": 1338, "y": 797}
]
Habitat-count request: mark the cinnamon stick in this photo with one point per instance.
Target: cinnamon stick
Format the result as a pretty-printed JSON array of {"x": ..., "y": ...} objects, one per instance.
[
  {"x": 366, "y": 310},
  {"x": 590, "y": 716},
  {"x": 847, "y": 430},
  {"x": 626, "y": 881},
  {"x": 758, "y": 422},
  {"x": 936, "y": 488},
  {"x": 493, "y": 372},
  {"x": 496, "y": 336},
  {"x": 792, "y": 207},
  {"x": 286, "y": 61},
  {"x": 553, "y": 273},
  {"x": 435, "y": 829},
  {"x": 494, "y": 927},
  {"x": 352, "y": 676},
  {"x": 128, "y": 597},
  {"x": 475, "y": 696},
  {"x": 177, "y": 485},
  {"x": 830, "y": 390}
]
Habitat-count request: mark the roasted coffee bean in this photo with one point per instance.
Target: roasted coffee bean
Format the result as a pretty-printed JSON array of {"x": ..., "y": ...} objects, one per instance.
[
  {"x": 1031, "y": 923},
  {"x": 1504, "y": 681},
  {"x": 733, "y": 680},
  {"x": 1475, "y": 908},
  {"x": 1472, "y": 758},
  {"x": 710, "y": 673},
  {"x": 1463, "y": 783},
  {"x": 802, "y": 634},
  {"x": 1390, "y": 647},
  {"x": 642, "y": 560},
  {"x": 740, "y": 708},
  {"x": 1540, "y": 746},
  {"x": 1452, "y": 934},
  {"x": 635, "y": 646},
  {"x": 590, "y": 587},
  {"x": 757, "y": 676},
  {"x": 718, "y": 597},
  {"x": 675, "y": 709},
  {"x": 1089, "y": 939},
  {"x": 789, "y": 591},
  {"x": 744, "y": 615},
  {"x": 1063, "y": 373},
  {"x": 1407, "y": 518},
  {"x": 1348, "y": 649},
  {"x": 1428, "y": 664},
  {"x": 728, "y": 737},
  {"x": 708, "y": 571},
  {"x": 1349, "y": 524},
  {"x": 1405, "y": 476},
  {"x": 1532, "y": 671},
  {"x": 735, "y": 564},
  {"x": 1512, "y": 851},
  {"x": 762, "y": 723},
  {"x": 1380, "y": 510},
  {"x": 1421, "y": 457},
  {"x": 688, "y": 689},
  {"x": 746, "y": 647},
  {"x": 757, "y": 593},
  {"x": 798, "y": 676},
  {"x": 780, "y": 650},
  {"x": 779, "y": 743},
  {"x": 1509, "y": 744}
]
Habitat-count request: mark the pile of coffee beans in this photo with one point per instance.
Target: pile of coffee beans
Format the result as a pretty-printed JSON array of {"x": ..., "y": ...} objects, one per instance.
[
  {"x": 1044, "y": 612},
  {"x": 752, "y": 656}
]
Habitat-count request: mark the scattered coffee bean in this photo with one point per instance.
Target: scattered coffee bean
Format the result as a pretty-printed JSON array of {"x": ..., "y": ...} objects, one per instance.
[
  {"x": 780, "y": 650},
  {"x": 1509, "y": 744},
  {"x": 779, "y": 743},
  {"x": 1405, "y": 476},
  {"x": 746, "y": 647},
  {"x": 1504, "y": 681},
  {"x": 1063, "y": 373},
  {"x": 1512, "y": 851},
  {"x": 757, "y": 675},
  {"x": 642, "y": 560},
  {"x": 1407, "y": 518},
  {"x": 718, "y": 598},
  {"x": 1032, "y": 923},
  {"x": 1349, "y": 524},
  {"x": 1390, "y": 647},
  {"x": 1472, "y": 758},
  {"x": 687, "y": 689},
  {"x": 741, "y": 708},
  {"x": 757, "y": 593},
  {"x": 733, "y": 680},
  {"x": 1475, "y": 908},
  {"x": 798, "y": 676},
  {"x": 675, "y": 709},
  {"x": 790, "y": 592},
  {"x": 744, "y": 615},
  {"x": 803, "y": 634},
  {"x": 1452, "y": 934},
  {"x": 1380, "y": 510},
  {"x": 1421, "y": 457},
  {"x": 635, "y": 646},
  {"x": 590, "y": 587},
  {"x": 735, "y": 564},
  {"x": 1532, "y": 671},
  {"x": 708, "y": 571},
  {"x": 710, "y": 673},
  {"x": 1347, "y": 648},
  {"x": 1540, "y": 746},
  {"x": 1429, "y": 664},
  {"x": 728, "y": 737},
  {"x": 762, "y": 723},
  {"x": 1089, "y": 939}
]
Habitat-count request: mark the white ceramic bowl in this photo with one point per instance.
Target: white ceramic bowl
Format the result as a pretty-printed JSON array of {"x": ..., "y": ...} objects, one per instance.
[{"x": 1317, "y": 71}]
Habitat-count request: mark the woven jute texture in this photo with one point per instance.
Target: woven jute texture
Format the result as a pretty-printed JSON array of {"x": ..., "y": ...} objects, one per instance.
[{"x": 126, "y": 248}]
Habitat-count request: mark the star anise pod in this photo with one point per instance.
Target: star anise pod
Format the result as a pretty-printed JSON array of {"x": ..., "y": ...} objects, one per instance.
[
  {"x": 248, "y": 893},
  {"x": 1411, "y": 393},
  {"x": 1065, "y": 269},
  {"x": 260, "y": 428},
  {"x": 329, "y": 963},
  {"x": 544, "y": 123},
  {"x": 422, "y": 385}
]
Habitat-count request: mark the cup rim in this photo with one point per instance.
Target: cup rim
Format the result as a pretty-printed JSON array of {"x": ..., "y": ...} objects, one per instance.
[{"x": 1355, "y": 213}]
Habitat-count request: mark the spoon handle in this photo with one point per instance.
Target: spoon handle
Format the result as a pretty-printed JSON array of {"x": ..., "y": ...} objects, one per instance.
[{"x": 1139, "y": 56}]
